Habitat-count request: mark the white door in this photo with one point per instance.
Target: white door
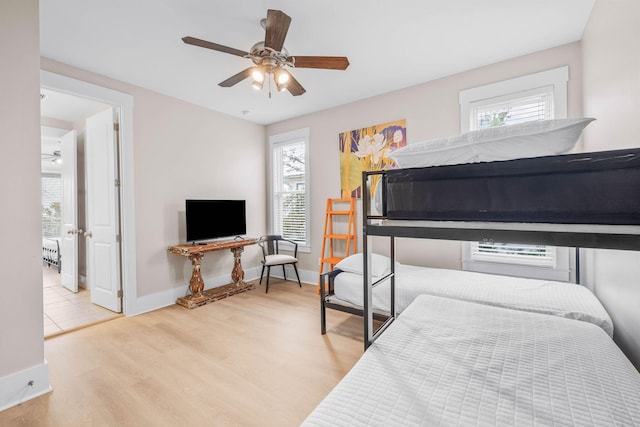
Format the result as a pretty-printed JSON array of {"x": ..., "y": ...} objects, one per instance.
[
  {"x": 69, "y": 237},
  {"x": 102, "y": 234}
]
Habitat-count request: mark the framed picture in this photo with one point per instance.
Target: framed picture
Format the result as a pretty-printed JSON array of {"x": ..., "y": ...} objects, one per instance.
[{"x": 368, "y": 149}]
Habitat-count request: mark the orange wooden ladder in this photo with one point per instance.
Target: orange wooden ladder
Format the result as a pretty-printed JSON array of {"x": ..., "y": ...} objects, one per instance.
[{"x": 333, "y": 213}]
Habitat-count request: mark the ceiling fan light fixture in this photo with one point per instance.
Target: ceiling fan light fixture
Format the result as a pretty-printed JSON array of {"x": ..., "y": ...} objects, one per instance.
[
  {"x": 257, "y": 85},
  {"x": 280, "y": 86},
  {"x": 282, "y": 77},
  {"x": 258, "y": 75}
]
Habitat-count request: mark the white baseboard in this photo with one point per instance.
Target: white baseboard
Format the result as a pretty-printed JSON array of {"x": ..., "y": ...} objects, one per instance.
[
  {"x": 166, "y": 298},
  {"x": 24, "y": 385}
]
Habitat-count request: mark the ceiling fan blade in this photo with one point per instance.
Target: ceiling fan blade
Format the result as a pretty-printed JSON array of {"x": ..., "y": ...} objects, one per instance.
[
  {"x": 276, "y": 29},
  {"x": 326, "y": 62},
  {"x": 237, "y": 78},
  {"x": 294, "y": 86},
  {"x": 214, "y": 46}
]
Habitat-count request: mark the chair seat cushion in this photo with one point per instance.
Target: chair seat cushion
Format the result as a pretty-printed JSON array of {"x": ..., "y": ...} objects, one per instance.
[{"x": 278, "y": 259}]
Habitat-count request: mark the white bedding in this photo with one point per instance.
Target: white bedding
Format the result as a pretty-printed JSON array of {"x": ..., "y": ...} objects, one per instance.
[
  {"x": 51, "y": 243},
  {"x": 451, "y": 362},
  {"x": 542, "y": 296},
  {"x": 523, "y": 140}
]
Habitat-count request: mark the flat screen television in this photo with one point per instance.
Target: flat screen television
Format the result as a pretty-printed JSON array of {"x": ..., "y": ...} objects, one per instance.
[{"x": 213, "y": 219}]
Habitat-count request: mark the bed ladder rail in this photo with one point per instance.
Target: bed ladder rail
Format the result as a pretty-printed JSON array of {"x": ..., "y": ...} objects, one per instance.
[{"x": 369, "y": 181}]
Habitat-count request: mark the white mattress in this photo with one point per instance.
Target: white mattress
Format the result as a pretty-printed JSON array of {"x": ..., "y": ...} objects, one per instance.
[
  {"x": 541, "y": 296},
  {"x": 451, "y": 362}
]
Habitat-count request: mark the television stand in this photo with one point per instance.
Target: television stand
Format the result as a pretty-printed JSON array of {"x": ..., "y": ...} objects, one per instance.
[{"x": 195, "y": 253}]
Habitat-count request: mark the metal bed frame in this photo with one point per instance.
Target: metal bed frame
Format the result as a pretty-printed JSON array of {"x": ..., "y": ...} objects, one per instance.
[
  {"x": 585, "y": 235},
  {"x": 52, "y": 257},
  {"x": 327, "y": 290}
]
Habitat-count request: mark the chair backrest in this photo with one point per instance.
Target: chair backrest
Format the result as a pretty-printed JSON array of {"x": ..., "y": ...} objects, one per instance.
[{"x": 270, "y": 244}]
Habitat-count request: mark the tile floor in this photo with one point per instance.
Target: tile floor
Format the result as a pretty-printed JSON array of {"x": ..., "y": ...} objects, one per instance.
[{"x": 65, "y": 310}]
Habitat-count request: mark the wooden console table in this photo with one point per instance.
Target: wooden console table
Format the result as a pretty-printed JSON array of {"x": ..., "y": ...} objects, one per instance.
[{"x": 195, "y": 252}]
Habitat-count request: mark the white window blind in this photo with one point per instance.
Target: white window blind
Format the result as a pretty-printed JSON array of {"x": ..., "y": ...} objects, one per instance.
[
  {"x": 513, "y": 109},
  {"x": 535, "y": 255},
  {"x": 289, "y": 198},
  {"x": 51, "y": 205}
]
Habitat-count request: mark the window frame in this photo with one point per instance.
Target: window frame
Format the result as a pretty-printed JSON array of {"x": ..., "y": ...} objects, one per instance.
[
  {"x": 563, "y": 268},
  {"x": 276, "y": 141},
  {"x": 557, "y": 78}
]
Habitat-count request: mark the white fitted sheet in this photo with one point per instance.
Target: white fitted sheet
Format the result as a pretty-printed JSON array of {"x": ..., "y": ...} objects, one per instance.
[
  {"x": 452, "y": 362},
  {"x": 541, "y": 296}
]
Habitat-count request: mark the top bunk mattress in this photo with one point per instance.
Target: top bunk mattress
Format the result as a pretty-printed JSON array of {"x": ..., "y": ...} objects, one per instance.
[
  {"x": 450, "y": 362},
  {"x": 542, "y": 296},
  {"x": 564, "y": 189}
]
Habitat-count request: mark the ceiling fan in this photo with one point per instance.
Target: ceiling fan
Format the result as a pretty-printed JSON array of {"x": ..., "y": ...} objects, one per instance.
[
  {"x": 54, "y": 157},
  {"x": 271, "y": 59}
]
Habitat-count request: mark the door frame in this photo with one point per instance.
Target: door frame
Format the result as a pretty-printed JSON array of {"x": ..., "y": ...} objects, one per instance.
[{"x": 123, "y": 103}]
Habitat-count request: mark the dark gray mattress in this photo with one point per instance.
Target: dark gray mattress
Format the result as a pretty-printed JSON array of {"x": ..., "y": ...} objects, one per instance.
[{"x": 588, "y": 188}]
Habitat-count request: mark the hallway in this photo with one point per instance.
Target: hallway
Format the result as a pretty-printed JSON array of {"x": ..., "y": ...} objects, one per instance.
[{"x": 64, "y": 310}]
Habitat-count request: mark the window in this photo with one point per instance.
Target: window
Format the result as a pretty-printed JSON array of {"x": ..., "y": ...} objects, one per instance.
[
  {"x": 547, "y": 89},
  {"x": 51, "y": 205},
  {"x": 537, "y": 255},
  {"x": 516, "y": 108},
  {"x": 289, "y": 172},
  {"x": 539, "y": 96}
]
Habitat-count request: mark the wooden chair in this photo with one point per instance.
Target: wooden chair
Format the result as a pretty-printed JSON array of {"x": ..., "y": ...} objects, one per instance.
[{"x": 271, "y": 256}]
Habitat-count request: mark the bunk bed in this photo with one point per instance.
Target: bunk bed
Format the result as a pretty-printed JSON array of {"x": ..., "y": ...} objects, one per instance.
[
  {"x": 455, "y": 362},
  {"x": 588, "y": 200}
]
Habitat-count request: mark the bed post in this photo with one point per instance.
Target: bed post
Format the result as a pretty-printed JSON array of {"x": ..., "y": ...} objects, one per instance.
[{"x": 366, "y": 260}]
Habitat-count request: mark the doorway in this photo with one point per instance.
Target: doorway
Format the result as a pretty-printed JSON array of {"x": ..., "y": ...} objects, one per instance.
[
  {"x": 67, "y": 306},
  {"x": 67, "y": 309},
  {"x": 68, "y": 296},
  {"x": 122, "y": 103}
]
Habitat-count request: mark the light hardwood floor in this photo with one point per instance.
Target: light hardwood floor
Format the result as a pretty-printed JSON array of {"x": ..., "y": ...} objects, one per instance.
[{"x": 253, "y": 359}]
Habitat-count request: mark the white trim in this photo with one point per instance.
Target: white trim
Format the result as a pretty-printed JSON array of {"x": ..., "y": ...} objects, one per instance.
[
  {"x": 124, "y": 104},
  {"x": 282, "y": 138},
  {"x": 557, "y": 77},
  {"x": 15, "y": 388}
]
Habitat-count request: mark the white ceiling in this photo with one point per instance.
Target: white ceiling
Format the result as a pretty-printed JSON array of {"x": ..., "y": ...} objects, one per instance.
[
  {"x": 69, "y": 108},
  {"x": 390, "y": 45}
]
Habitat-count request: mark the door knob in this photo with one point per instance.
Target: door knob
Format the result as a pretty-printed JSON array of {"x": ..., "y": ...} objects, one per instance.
[{"x": 88, "y": 234}]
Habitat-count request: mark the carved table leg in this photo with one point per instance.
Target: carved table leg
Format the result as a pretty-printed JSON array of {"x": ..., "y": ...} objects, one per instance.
[
  {"x": 196, "y": 284},
  {"x": 237, "y": 274}
]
